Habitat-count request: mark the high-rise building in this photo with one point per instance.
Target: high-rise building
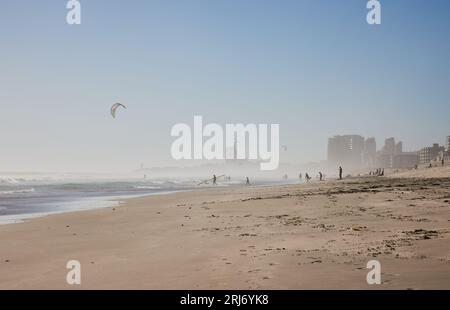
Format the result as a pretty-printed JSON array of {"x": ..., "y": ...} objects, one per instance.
[
  {"x": 392, "y": 156},
  {"x": 447, "y": 144},
  {"x": 427, "y": 154},
  {"x": 398, "y": 148},
  {"x": 389, "y": 146},
  {"x": 370, "y": 146},
  {"x": 346, "y": 150},
  {"x": 370, "y": 152}
]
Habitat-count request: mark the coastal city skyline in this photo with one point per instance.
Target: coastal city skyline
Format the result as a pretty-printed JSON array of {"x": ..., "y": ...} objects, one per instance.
[{"x": 364, "y": 153}]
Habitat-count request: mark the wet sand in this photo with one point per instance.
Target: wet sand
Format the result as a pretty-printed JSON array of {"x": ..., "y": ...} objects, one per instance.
[{"x": 308, "y": 236}]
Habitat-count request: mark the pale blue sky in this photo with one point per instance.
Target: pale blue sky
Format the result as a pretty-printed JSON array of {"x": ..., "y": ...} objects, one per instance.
[{"x": 315, "y": 67}]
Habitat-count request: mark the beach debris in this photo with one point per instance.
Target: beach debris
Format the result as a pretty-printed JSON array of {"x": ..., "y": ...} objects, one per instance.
[
  {"x": 419, "y": 234},
  {"x": 114, "y": 108},
  {"x": 358, "y": 227}
]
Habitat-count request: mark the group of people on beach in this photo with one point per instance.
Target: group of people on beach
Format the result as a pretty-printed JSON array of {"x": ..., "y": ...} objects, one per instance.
[
  {"x": 379, "y": 172},
  {"x": 214, "y": 179},
  {"x": 308, "y": 178},
  {"x": 320, "y": 176}
]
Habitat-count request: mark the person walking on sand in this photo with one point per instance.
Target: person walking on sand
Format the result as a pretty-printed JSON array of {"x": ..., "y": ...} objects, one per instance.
[
  {"x": 307, "y": 177},
  {"x": 247, "y": 182},
  {"x": 442, "y": 162},
  {"x": 320, "y": 176},
  {"x": 214, "y": 179},
  {"x": 340, "y": 173}
]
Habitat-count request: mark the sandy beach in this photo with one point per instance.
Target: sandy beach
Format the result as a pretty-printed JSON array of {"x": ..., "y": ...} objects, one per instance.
[{"x": 308, "y": 236}]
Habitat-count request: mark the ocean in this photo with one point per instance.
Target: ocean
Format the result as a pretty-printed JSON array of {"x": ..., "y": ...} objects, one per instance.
[{"x": 31, "y": 195}]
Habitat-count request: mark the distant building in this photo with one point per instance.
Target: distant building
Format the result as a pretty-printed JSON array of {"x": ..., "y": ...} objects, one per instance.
[
  {"x": 445, "y": 154},
  {"x": 356, "y": 152},
  {"x": 389, "y": 146},
  {"x": 384, "y": 160},
  {"x": 370, "y": 152},
  {"x": 405, "y": 160},
  {"x": 392, "y": 156},
  {"x": 427, "y": 154},
  {"x": 398, "y": 148},
  {"x": 346, "y": 150}
]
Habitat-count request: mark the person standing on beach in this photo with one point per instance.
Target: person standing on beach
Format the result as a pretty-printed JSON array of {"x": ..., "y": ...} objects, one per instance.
[
  {"x": 320, "y": 175},
  {"x": 214, "y": 179},
  {"x": 442, "y": 161},
  {"x": 300, "y": 176},
  {"x": 340, "y": 173},
  {"x": 248, "y": 181}
]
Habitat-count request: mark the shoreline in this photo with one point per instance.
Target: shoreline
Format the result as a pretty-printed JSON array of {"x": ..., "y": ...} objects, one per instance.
[
  {"x": 298, "y": 236},
  {"x": 108, "y": 202}
]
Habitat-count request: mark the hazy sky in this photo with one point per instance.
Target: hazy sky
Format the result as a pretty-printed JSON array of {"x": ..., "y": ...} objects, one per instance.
[{"x": 315, "y": 67}]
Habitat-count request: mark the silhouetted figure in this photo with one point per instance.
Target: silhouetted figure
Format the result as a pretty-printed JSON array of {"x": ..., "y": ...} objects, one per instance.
[
  {"x": 340, "y": 173},
  {"x": 248, "y": 181},
  {"x": 442, "y": 162},
  {"x": 214, "y": 180},
  {"x": 307, "y": 177},
  {"x": 300, "y": 176},
  {"x": 382, "y": 173},
  {"x": 320, "y": 176}
]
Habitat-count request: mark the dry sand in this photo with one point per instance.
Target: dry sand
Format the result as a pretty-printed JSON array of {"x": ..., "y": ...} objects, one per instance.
[{"x": 310, "y": 236}]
